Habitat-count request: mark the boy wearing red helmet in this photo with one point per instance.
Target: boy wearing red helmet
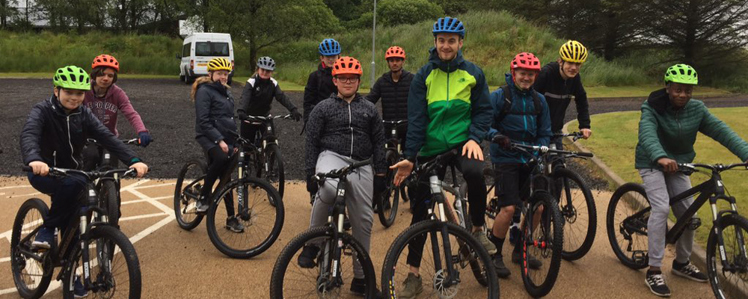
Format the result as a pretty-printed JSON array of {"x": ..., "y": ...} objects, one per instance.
[{"x": 520, "y": 115}]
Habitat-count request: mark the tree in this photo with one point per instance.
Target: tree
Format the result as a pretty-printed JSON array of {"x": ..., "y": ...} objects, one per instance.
[
  {"x": 396, "y": 12},
  {"x": 7, "y": 11}
]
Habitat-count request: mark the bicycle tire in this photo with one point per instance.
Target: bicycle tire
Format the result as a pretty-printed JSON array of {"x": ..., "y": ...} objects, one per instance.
[
  {"x": 722, "y": 286},
  {"x": 535, "y": 287},
  {"x": 187, "y": 192},
  {"x": 256, "y": 189},
  {"x": 628, "y": 200},
  {"x": 574, "y": 210},
  {"x": 274, "y": 173},
  {"x": 18, "y": 262},
  {"x": 288, "y": 254},
  {"x": 110, "y": 197},
  {"x": 102, "y": 276},
  {"x": 391, "y": 196}
]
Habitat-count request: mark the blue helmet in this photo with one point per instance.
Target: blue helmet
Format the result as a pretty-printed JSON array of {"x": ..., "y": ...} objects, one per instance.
[
  {"x": 448, "y": 25},
  {"x": 329, "y": 47}
]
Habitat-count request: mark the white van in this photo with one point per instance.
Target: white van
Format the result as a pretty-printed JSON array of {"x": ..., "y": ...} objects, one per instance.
[{"x": 198, "y": 49}]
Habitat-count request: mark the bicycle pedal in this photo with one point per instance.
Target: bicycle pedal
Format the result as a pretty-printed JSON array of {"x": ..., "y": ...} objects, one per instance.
[
  {"x": 694, "y": 223},
  {"x": 347, "y": 252},
  {"x": 639, "y": 256}
]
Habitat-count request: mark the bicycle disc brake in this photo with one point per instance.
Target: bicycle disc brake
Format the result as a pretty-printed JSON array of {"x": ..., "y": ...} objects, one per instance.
[{"x": 440, "y": 277}]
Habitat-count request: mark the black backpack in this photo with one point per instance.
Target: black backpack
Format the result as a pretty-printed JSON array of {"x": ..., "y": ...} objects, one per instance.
[{"x": 507, "y": 108}]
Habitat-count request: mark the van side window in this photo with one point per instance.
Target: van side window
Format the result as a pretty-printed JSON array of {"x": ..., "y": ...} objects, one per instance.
[
  {"x": 186, "y": 50},
  {"x": 211, "y": 49}
]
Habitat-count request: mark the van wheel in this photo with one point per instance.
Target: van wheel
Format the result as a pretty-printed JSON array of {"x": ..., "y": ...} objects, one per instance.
[
  {"x": 189, "y": 79},
  {"x": 181, "y": 78}
]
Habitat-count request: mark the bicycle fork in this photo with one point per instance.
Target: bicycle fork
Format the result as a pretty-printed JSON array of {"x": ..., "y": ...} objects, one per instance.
[
  {"x": 330, "y": 265},
  {"x": 241, "y": 197},
  {"x": 452, "y": 277}
]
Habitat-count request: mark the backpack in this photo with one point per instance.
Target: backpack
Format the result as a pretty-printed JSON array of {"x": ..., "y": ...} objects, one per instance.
[{"x": 507, "y": 108}]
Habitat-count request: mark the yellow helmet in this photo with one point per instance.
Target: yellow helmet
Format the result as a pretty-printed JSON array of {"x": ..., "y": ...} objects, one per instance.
[
  {"x": 219, "y": 64},
  {"x": 573, "y": 51}
]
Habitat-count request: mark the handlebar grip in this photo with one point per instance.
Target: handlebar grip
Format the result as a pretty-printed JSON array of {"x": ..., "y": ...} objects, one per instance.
[
  {"x": 27, "y": 168},
  {"x": 588, "y": 155}
]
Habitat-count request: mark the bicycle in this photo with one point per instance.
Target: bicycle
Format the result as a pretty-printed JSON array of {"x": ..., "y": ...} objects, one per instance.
[
  {"x": 542, "y": 238},
  {"x": 389, "y": 200},
  {"x": 90, "y": 248},
  {"x": 325, "y": 279},
  {"x": 628, "y": 214},
  {"x": 452, "y": 247},
  {"x": 266, "y": 157}
]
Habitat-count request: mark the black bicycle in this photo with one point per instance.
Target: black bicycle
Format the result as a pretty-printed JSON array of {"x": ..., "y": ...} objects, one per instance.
[
  {"x": 726, "y": 253},
  {"x": 451, "y": 247},
  {"x": 388, "y": 202},
  {"x": 266, "y": 161},
  {"x": 92, "y": 253},
  {"x": 335, "y": 260},
  {"x": 109, "y": 186}
]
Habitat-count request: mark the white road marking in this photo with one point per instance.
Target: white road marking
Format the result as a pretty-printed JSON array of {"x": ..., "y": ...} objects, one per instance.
[
  {"x": 142, "y": 216},
  {"x": 146, "y": 200}
]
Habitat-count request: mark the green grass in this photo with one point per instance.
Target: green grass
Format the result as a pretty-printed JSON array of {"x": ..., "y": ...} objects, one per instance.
[{"x": 614, "y": 142}]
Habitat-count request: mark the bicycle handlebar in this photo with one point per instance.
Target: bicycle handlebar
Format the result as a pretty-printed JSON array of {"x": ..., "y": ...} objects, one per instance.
[
  {"x": 263, "y": 118},
  {"x": 428, "y": 166},
  {"x": 574, "y": 135},
  {"x": 692, "y": 167},
  {"x": 134, "y": 141},
  {"x": 395, "y": 122},
  {"x": 544, "y": 149},
  {"x": 91, "y": 175},
  {"x": 342, "y": 172}
]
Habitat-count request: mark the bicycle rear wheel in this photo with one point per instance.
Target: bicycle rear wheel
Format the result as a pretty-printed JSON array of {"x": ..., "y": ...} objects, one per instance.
[
  {"x": 110, "y": 199},
  {"x": 261, "y": 221},
  {"x": 190, "y": 182},
  {"x": 728, "y": 276},
  {"x": 433, "y": 270},
  {"x": 115, "y": 269},
  {"x": 30, "y": 276},
  {"x": 626, "y": 223},
  {"x": 290, "y": 280},
  {"x": 273, "y": 171},
  {"x": 544, "y": 242},
  {"x": 390, "y": 198},
  {"x": 580, "y": 214}
]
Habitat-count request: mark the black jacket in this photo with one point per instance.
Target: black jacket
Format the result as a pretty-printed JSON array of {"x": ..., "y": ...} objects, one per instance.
[
  {"x": 319, "y": 86},
  {"x": 54, "y": 137},
  {"x": 214, "y": 115},
  {"x": 394, "y": 95},
  {"x": 258, "y": 94},
  {"x": 559, "y": 92},
  {"x": 350, "y": 129}
]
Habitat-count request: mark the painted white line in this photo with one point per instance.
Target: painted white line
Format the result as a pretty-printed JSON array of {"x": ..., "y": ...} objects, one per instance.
[
  {"x": 23, "y": 195},
  {"x": 16, "y": 186},
  {"x": 143, "y": 216},
  {"x": 8, "y": 233},
  {"x": 145, "y": 199},
  {"x": 155, "y": 203},
  {"x": 4, "y": 259},
  {"x": 156, "y": 185},
  {"x": 133, "y": 185}
]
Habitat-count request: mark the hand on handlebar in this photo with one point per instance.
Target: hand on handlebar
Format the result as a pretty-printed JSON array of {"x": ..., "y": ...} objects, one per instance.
[
  {"x": 668, "y": 165},
  {"x": 39, "y": 168},
  {"x": 141, "y": 168},
  {"x": 586, "y": 133},
  {"x": 503, "y": 141},
  {"x": 296, "y": 115}
]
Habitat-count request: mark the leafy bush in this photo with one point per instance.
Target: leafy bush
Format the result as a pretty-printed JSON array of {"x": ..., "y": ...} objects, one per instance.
[{"x": 398, "y": 12}]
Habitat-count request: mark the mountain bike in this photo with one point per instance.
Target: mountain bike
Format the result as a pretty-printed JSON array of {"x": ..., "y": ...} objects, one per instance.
[
  {"x": 266, "y": 160},
  {"x": 388, "y": 202}
]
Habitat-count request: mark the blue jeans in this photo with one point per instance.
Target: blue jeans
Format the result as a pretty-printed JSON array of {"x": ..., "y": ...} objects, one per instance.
[{"x": 64, "y": 192}]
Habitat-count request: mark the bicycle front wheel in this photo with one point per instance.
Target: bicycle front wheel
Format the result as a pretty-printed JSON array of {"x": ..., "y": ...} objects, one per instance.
[
  {"x": 110, "y": 200},
  {"x": 321, "y": 280},
  {"x": 729, "y": 275},
  {"x": 114, "y": 266},
  {"x": 626, "y": 223},
  {"x": 578, "y": 209},
  {"x": 29, "y": 274},
  {"x": 241, "y": 221},
  {"x": 425, "y": 249},
  {"x": 190, "y": 181},
  {"x": 390, "y": 198},
  {"x": 542, "y": 239}
]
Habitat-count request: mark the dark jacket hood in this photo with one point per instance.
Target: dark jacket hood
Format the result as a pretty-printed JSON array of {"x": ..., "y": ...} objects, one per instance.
[{"x": 659, "y": 101}]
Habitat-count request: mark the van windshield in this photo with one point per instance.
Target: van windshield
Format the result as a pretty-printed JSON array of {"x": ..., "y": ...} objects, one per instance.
[{"x": 211, "y": 49}]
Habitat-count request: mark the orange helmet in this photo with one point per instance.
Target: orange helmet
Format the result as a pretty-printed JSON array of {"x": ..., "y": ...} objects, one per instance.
[
  {"x": 347, "y": 65},
  {"x": 394, "y": 52},
  {"x": 106, "y": 61}
]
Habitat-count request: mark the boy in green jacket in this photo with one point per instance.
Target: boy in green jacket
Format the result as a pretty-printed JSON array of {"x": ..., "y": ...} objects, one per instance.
[{"x": 669, "y": 122}]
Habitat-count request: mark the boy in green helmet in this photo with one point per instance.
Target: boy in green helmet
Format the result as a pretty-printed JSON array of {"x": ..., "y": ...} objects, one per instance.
[{"x": 669, "y": 122}]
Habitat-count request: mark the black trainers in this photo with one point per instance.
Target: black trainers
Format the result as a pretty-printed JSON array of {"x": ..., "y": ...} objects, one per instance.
[
  {"x": 501, "y": 270},
  {"x": 233, "y": 224},
  {"x": 307, "y": 257},
  {"x": 534, "y": 263},
  {"x": 656, "y": 283},
  {"x": 689, "y": 271},
  {"x": 358, "y": 287}
]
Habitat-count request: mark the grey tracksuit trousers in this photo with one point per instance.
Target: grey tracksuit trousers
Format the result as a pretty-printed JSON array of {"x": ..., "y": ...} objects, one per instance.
[
  {"x": 358, "y": 199},
  {"x": 660, "y": 187}
]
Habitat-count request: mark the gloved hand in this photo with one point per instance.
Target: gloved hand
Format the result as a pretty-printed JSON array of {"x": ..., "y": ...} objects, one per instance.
[
  {"x": 311, "y": 185},
  {"x": 295, "y": 115},
  {"x": 380, "y": 184},
  {"x": 502, "y": 141},
  {"x": 144, "y": 139},
  {"x": 242, "y": 115}
]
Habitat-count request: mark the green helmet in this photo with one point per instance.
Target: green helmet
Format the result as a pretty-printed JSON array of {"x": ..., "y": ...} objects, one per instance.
[
  {"x": 681, "y": 73},
  {"x": 72, "y": 77}
]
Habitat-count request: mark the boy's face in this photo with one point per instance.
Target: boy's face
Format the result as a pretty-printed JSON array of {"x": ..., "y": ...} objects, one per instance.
[
  {"x": 570, "y": 69},
  {"x": 347, "y": 84},
  {"x": 679, "y": 94},
  {"x": 70, "y": 99},
  {"x": 106, "y": 79},
  {"x": 524, "y": 78},
  {"x": 395, "y": 64},
  {"x": 447, "y": 45},
  {"x": 221, "y": 75},
  {"x": 329, "y": 60}
]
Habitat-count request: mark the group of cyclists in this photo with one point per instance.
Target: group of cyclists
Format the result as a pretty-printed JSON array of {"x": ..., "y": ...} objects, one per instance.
[{"x": 447, "y": 104}]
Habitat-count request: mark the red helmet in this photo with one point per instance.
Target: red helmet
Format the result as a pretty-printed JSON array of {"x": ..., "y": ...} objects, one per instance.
[
  {"x": 394, "y": 52},
  {"x": 347, "y": 65},
  {"x": 526, "y": 61},
  {"x": 106, "y": 61}
]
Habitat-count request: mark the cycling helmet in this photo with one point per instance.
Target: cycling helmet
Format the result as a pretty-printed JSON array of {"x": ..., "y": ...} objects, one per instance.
[
  {"x": 448, "y": 25},
  {"x": 681, "y": 73},
  {"x": 72, "y": 77},
  {"x": 526, "y": 61},
  {"x": 347, "y": 65},
  {"x": 266, "y": 62},
  {"x": 394, "y": 52},
  {"x": 219, "y": 64},
  {"x": 573, "y": 51},
  {"x": 329, "y": 47},
  {"x": 106, "y": 61}
]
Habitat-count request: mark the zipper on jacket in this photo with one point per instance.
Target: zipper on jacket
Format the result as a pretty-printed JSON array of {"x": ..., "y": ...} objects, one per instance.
[
  {"x": 70, "y": 143},
  {"x": 54, "y": 158},
  {"x": 677, "y": 120},
  {"x": 350, "y": 121},
  {"x": 444, "y": 136}
]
